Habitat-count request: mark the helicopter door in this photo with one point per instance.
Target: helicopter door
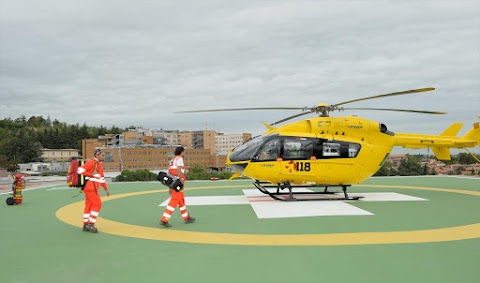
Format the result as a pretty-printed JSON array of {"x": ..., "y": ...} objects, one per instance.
[
  {"x": 265, "y": 163},
  {"x": 298, "y": 161}
]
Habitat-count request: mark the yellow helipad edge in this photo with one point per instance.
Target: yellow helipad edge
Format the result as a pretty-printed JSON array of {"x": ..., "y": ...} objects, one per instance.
[{"x": 69, "y": 214}]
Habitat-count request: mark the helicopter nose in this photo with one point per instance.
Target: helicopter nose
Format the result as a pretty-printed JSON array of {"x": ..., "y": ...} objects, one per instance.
[
  {"x": 239, "y": 167},
  {"x": 236, "y": 165}
]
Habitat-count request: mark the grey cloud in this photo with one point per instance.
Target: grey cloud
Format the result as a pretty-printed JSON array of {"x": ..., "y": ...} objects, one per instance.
[{"x": 136, "y": 63}]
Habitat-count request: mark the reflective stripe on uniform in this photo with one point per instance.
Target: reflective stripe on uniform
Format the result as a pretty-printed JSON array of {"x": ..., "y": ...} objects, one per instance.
[{"x": 101, "y": 180}]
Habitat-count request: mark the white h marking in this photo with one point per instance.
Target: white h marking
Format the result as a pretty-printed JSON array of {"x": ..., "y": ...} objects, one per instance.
[{"x": 266, "y": 207}]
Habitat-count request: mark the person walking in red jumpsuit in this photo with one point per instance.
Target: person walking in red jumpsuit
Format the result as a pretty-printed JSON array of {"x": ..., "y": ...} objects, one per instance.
[
  {"x": 94, "y": 178},
  {"x": 177, "y": 168}
]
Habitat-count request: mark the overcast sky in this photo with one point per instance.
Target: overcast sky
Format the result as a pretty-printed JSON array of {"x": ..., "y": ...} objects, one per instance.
[{"x": 135, "y": 63}]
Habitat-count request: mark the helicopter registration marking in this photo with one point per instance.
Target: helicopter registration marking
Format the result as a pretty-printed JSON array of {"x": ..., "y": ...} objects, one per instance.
[
  {"x": 297, "y": 166},
  {"x": 69, "y": 214},
  {"x": 303, "y": 166}
]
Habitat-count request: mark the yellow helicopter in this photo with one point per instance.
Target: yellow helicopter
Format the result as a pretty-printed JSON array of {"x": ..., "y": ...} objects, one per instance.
[{"x": 331, "y": 151}]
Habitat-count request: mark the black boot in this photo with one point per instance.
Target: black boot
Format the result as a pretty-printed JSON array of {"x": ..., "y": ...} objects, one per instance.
[
  {"x": 91, "y": 228},
  {"x": 165, "y": 224},
  {"x": 190, "y": 220}
]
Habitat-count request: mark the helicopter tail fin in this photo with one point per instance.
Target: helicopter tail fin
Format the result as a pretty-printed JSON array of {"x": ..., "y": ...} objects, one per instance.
[
  {"x": 474, "y": 133},
  {"x": 452, "y": 130},
  {"x": 443, "y": 153}
]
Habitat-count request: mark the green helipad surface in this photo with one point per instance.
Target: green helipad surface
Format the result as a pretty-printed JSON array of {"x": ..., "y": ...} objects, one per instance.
[{"x": 437, "y": 240}]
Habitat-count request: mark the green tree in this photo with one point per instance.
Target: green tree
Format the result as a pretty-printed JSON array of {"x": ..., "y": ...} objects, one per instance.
[
  {"x": 224, "y": 175},
  {"x": 466, "y": 158},
  {"x": 21, "y": 140},
  {"x": 386, "y": 170},
  {"x": 22, "y": 148},
  {"x": 459, "y": 170},
  {"x": 198, "y": 172},
  {"x": 37, "y": 121},
  {"x": 410, "y": 166},
  {"x": 138, "y": 175}
]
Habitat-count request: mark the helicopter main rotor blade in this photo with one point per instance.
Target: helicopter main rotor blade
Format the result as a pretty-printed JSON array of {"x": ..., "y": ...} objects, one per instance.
[
  {"x": 290, "y": 117},
  {"x": 243, "y": 109},
  {"x": 399, "y": 110},
  {"x": 385, "y": 95}
]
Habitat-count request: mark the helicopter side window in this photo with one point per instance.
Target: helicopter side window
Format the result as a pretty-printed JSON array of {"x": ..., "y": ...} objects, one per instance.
[
  {"x": 270, "y": 150},
  {"x": 331, "y": 149},
  {"x": 324, "y": 149},
  {"x": 298, "y": 148},
  {"x": 353, "y": 150}
]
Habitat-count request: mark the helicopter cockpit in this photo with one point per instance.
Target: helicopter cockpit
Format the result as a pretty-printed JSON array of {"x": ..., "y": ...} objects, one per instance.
[{"x": 246, "y": 151}]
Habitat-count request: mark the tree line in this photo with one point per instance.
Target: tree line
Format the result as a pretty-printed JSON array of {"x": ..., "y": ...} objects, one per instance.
[{"x": 22, "y": 139}]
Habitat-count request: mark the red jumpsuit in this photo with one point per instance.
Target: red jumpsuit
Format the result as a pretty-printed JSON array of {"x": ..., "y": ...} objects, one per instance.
[
  {"x": 94, "y": 178},
  {"x": 176, "y": 168}
]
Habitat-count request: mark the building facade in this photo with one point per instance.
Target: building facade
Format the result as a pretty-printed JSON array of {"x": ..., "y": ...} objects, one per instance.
[
  {"x": 153, "y": 149},
  {"x": 224, "y": 143},
  {"x": 59, "y": 155}
]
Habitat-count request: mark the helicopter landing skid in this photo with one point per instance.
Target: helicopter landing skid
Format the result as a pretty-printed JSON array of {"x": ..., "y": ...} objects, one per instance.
[{"x": 302, "y": 196}]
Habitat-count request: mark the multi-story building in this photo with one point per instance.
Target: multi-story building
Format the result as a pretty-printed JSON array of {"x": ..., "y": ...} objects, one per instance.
[
  {"x": 152, "y": 150},
  {"x": 118, "y": 159},
  {"x": 224, "y": 143},
  {"x": 165, "y": 137},
  {"x": 59, "y": 155},
  {"x": 396, "y": 159},
  {"x": 186, "y": 139}
]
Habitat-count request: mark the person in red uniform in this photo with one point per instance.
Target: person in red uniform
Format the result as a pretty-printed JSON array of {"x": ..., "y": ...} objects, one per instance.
[
  {"x": 177, "y": 168},
  {"x": 94, "y": 178},
  {"x": 18, "y": 186}
]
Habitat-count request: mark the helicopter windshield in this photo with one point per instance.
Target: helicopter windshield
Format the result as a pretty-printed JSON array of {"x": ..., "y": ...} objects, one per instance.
[
  {"x": 269, "y": 151},
  {"x": 248, "y": 149}
]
